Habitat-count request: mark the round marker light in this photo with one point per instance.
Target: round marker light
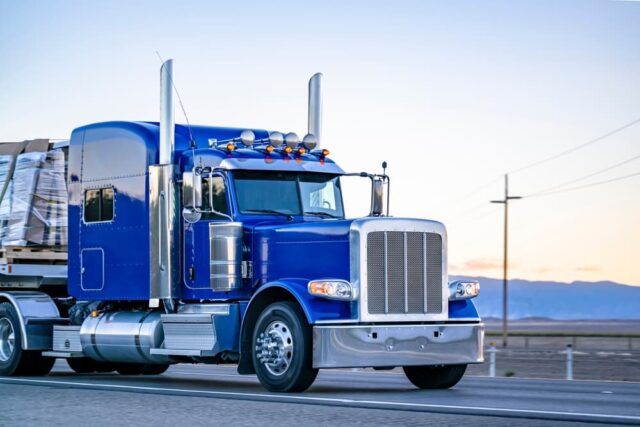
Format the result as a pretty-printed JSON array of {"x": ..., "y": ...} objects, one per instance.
[
  {"x": 269, "y": 149},
  {"x": 301, "y": 151},
  {"x": 288, "y": 149},
  {"x": 292, "y": 140},
  {"x": 276, "y": 139},
  {"x": 310, "y": 141},
  {"x": 231, "y": 147},
  {"x": 247, "y": 137},
  {"x": 325, "y": 152}
]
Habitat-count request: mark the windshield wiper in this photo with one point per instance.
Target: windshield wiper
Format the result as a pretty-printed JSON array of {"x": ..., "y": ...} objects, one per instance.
[
  {"x": 269, "y": 211},
  {"x": 322, "y": 214}
]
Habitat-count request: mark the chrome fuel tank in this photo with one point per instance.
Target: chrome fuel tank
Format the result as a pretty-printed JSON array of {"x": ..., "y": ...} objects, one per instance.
[{"x": 123, "y": 336}]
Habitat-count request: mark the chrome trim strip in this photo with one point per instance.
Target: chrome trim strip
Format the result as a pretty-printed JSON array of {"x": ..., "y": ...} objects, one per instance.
[
  {"x": 336, "y": 322},
  {"x": 406, "y": 273},
  {"x": 274, "y": 164},
  {"x": 403, "y": 345},
  {"x": 164, "y": 225},
  {"x": 219, "y": 309},
  {"x": 386, "y": 276},
  {"x": 424, "y": 269}
]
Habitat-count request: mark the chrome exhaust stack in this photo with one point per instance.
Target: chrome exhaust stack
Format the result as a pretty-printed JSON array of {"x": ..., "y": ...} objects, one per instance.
[
  {"x": 167, "y": 121},
  {"x": 164, "y": 261},
  {"x": 315, "y": 108}
]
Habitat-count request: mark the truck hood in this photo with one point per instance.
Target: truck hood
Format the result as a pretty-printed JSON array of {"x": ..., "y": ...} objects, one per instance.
[{"x": 304, "y": 250}]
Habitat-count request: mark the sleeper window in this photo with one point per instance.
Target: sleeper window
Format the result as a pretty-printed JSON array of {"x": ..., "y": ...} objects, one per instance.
[{"x": 98, "y": 205}]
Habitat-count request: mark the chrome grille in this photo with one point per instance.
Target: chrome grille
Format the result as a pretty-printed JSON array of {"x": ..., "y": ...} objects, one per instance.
[{"x": 404, "y": 270}]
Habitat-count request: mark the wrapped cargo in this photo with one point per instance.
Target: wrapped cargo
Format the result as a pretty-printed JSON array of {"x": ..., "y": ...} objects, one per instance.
[
  {"x": 5, "y": 206},
  {"x": 20, "y": 197},
  {"x": 33, "y": 210},
  {"x": 48, "y": 220}
]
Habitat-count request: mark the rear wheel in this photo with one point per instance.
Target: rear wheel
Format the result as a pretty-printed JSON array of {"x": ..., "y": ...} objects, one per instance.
[
  {"x": 129, "y": 368},
  {"x": 13, "y": 359},
  {"x": 155, "y": 369},
  {"x": 140, "y": 369},
  {"x": 82, "y": 365},
  {"x": 86, "y": 365},
  {"x": 282, "y": 355},
  {"x": 434, "y": 377}
]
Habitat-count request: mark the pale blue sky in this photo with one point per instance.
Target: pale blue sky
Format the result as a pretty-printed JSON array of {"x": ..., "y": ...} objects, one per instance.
[{"x": 452, "y": 94}]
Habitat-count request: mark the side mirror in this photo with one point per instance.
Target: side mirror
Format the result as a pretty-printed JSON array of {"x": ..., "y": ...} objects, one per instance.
[
  {"x": 377, "y": 197},
  {"x": 191, "y": 197}
]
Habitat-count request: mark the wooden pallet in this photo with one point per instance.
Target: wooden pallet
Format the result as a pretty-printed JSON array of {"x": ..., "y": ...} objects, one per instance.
[{"x": 33, "y": 255}]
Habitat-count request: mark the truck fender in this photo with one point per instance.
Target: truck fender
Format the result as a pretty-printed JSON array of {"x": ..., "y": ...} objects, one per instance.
[
  {"x": 463, "y": 309},
  {"x": 37, "y": 314},
  {"x": 282, "y": 290}
]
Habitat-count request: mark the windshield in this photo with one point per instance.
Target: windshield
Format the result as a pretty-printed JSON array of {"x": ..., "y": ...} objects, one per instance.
[{"x": 287, "y": 193}]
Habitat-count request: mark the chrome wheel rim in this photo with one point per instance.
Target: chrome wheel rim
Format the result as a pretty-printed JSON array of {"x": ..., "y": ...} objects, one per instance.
[
  {"x": 7, "y": 339},
  {"x": 274, "y": 348}
]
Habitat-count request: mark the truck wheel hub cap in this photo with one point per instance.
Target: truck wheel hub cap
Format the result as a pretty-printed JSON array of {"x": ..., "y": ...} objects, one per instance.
[
  {"x": 274, "y": 348},
  {"x": 7, "y": 339}
]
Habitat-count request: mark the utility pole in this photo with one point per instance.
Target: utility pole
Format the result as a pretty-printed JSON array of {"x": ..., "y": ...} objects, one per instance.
[{"x": 505, "y": 299}]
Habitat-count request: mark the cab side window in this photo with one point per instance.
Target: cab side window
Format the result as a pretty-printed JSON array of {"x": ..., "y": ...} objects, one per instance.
[
  {"x": 214, "y": 195},
  {"x": 98, "y": 205}
]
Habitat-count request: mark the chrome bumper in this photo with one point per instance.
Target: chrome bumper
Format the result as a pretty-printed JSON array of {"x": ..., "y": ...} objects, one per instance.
[{"x": 353, "y": 346}]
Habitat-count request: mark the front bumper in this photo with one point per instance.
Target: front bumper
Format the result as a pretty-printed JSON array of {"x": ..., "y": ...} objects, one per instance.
[{"x": 354, "y": 346}]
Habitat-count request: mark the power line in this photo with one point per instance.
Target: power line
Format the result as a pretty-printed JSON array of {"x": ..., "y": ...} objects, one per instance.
[
  {"x": 479, "y": 188},
  {"x": 582, "y": 178},
  {"x": 577, "y": 147},
  {"x": 593, "y": 184}
]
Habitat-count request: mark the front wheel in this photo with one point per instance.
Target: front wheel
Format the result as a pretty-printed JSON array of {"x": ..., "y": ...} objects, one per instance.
[
  {"x": 434, "y": 377},
  {"x": 282, "y": 356}
]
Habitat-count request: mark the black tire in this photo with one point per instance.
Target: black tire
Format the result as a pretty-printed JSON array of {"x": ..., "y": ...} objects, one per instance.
[
  {"x": 130, "y": 368},
  {"x": 155, "y": 369},
  {"x": 38, "y": 365},
  {"x": 82, "y": 365},
  {"x": 104, "y": 367},
  {"x": 291, "y": 370},
  {"x": 435, "y": 377},
  {"x": 13, "y": 359}
]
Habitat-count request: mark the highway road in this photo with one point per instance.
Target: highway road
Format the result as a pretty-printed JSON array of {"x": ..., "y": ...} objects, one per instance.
[{"x": 211, "y": 395}]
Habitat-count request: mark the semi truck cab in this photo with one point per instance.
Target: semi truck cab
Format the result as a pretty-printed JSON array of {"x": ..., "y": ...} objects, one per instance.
[{"x": 199, "y": 244}]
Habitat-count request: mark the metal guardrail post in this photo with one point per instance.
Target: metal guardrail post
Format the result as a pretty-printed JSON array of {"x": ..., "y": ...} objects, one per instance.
[
  {"x": 569, "y": 353},
  {"x": 492, "y": 359}
]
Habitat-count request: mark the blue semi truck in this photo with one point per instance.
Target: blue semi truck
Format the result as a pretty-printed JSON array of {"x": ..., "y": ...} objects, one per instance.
[{"x": 197, "y": 244}]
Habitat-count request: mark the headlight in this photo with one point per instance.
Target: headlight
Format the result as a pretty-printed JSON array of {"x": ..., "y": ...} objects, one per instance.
[
  {"x": 463, "y": 289},
  {"x": 333, "y": 289}
]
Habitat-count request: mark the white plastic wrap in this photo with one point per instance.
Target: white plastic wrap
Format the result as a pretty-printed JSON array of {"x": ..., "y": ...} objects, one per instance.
[
  {"x": 34, "y": 208},
  {"x": 5, "y": 206},
  {"x": 20, "y": 196},
  {"x": 48, "y": 222}
]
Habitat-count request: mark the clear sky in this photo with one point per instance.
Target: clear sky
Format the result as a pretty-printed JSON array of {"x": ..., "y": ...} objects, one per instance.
[{"x": 452, "y": 94}]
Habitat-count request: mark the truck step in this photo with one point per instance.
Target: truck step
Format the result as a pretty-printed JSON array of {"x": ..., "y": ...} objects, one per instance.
[
  {"x": 66, "y": 341},
  {"x": 188, "y": 332},
  {"x": 33, "y": 254}
]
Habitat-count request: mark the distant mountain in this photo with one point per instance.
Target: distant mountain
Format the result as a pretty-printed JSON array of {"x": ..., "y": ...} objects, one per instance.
[{"x": 556, "y": 300}]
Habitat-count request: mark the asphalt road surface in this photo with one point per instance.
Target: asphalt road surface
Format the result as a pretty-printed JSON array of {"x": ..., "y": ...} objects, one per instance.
[{"x": 213, "y": 395}]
